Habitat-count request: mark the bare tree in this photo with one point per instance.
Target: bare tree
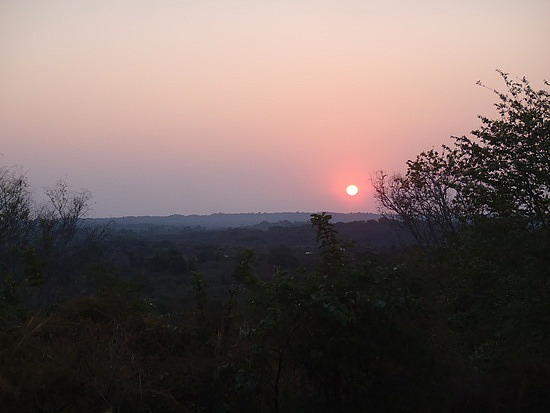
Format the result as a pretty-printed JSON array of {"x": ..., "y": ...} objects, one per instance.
[
  {"x": 60, "y": 217},
  {"x": 424, "y": 199},
  {"x": 15, "y": 206}
]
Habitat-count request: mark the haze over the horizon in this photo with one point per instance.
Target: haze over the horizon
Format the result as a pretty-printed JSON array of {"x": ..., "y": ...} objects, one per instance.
[{"x": 197, "y": 107}]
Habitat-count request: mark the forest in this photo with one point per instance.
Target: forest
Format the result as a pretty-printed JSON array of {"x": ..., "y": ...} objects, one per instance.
[{"x": 441, "y": 305}]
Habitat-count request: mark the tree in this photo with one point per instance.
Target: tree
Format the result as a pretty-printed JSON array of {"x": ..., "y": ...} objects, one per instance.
[
  {"x": 15, "y": 206},
  {"x": 60, "y": 217},
  {"x": 487, "y": 195},
  {"x": 502, "y": 171},
  {"x": 425, "y": 199},
  {"x": 34, "y": 238},
  {"x": 15, "y": 223},
  {"x": 506, "y": 170}
]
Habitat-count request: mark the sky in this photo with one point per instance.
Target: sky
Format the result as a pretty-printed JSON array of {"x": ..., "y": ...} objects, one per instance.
[{"x": 197, "y": 107}]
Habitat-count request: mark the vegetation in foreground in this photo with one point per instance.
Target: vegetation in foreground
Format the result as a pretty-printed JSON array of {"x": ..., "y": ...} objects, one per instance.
[{"x": 456, "y": 322}]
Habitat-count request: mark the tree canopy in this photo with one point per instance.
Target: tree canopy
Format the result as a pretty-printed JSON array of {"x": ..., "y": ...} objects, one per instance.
[{"x": 502, "y": 170}]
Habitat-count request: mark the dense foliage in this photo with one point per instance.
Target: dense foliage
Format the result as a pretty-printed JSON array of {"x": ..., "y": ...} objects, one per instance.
[
  {"x": 455, "y": 322},
  {"x": 502, "y": 171}
]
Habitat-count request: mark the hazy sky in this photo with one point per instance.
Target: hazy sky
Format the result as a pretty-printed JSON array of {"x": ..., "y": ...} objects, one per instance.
[{"x": 161, "y": 107}]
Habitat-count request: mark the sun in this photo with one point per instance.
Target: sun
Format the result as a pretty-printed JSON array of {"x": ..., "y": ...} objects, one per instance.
[{"x": 352, "y": 190}]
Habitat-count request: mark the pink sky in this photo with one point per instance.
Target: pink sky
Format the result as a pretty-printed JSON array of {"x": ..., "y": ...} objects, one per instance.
[{"x": 163, "y": 107}]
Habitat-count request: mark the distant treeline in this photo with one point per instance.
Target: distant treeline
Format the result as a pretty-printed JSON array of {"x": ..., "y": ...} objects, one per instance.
[{"x": 222, "y": 220}]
